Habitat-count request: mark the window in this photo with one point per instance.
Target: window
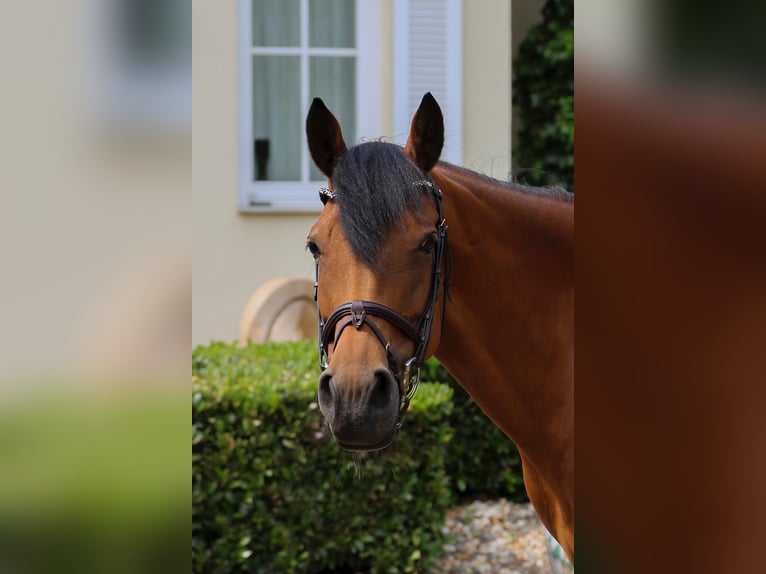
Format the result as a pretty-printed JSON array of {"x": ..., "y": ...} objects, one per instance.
[{"x": 290, "y": 52}]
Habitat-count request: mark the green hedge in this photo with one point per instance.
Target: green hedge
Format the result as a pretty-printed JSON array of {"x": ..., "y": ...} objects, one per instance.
[{"x": 271, "y": 492}]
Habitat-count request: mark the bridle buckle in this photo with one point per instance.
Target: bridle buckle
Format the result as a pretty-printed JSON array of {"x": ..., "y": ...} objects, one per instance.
[{"x": 357, "y": 314}]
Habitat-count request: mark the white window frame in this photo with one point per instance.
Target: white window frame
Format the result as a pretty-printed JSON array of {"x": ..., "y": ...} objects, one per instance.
[
  {"x": 452, "y": 103},
  {"x": 301, "y": 196}
]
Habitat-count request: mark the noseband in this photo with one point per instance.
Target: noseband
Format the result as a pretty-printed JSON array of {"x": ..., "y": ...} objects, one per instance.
[{"x": 358, "y": 312}]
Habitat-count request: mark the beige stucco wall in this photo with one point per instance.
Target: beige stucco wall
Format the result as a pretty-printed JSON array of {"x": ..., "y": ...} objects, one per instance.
[
  {"x": 235, "y": 253},
  {"x": 94, "y": 217},
  {"x": 487, "y": 86}
]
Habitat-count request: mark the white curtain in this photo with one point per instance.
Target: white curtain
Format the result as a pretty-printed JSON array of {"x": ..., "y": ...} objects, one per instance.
[
  {"x": 277, "y": 105},
  {"x": 332, "y": 23},
  {"x": 276, "y": 117},
  {"x": 276, "y": 23}
]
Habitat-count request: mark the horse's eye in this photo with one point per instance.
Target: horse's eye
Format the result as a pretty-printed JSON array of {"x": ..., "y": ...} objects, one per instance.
[
  {"x": 313, "y": 248},
  {"x": 428, "y": 245}
]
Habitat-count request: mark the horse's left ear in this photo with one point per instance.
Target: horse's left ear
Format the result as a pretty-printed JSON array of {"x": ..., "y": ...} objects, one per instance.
[
  {"x": 324, "y": 137},
  {"x": 424, "y": 145}
]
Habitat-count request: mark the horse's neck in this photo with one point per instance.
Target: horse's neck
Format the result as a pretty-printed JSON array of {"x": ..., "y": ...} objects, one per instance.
[{"x": 508, "y": 332}]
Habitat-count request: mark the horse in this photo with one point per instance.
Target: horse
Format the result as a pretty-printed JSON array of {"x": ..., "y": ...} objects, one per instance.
[{"x": 417, "y": 257}]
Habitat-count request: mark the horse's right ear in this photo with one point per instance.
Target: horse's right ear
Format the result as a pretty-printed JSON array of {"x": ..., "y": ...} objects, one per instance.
[
  {"x": 324, "y": 137},
  {"x": 424, "y": 145}
]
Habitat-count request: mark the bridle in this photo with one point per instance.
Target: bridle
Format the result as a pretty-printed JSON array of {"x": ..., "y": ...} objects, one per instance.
[{"x": 358, "y": 312}]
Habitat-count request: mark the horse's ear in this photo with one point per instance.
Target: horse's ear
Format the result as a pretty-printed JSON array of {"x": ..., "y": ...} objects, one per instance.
[
  {"x": 324, "y": 137},
  {"x": 424, "y": 145}
]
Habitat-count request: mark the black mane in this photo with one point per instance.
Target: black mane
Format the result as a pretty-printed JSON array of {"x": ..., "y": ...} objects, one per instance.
[
  {"x": 376, "y": 184},
  {"x": 549, "y": 192}
]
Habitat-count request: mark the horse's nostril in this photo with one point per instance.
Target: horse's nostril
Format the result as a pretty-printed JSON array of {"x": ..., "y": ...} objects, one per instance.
[
  {"x": 325, "y": 388},
  {"x": 383, "y": 387}
]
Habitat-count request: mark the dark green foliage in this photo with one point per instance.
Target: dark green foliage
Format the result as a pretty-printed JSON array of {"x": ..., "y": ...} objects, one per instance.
[
  {"x": 272, "y": 492},
  {"x": 543, "y": 91},
  {"x": 481, "y": 459}
]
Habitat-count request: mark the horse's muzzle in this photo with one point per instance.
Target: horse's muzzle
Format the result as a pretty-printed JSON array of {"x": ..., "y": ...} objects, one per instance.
[{"x": 361, "y": 415}]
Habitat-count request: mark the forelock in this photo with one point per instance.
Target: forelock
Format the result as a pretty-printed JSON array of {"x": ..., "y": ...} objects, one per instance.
[{"x": 375, "y": 185}]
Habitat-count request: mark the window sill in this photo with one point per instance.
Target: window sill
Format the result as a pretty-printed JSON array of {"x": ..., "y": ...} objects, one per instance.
[{"x": 280, "y": 208}]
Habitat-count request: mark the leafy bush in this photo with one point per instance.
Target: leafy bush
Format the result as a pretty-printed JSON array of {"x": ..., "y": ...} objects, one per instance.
[
  {"x": 481, "y": 460},
  {"x": 271, "y": 492},
  {"x": 543, "y": 91}
]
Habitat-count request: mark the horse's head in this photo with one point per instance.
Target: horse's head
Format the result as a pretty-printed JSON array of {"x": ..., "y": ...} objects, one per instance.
[{"x": 378, "y": 247}]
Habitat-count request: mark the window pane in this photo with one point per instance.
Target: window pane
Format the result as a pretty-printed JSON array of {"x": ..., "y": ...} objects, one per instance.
[
  {"x": 332, "y": 23},
  {"x": 276, "y": 23},
  {"x": 276, "y": 118},
  {"x": 334, "y": 80}
]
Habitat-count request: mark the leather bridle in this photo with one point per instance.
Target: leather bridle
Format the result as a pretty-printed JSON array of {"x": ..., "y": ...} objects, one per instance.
[{"x": 358, "y": 312}]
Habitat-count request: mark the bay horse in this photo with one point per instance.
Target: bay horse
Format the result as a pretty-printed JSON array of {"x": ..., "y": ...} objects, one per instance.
[{"x": 491, "y": 295}]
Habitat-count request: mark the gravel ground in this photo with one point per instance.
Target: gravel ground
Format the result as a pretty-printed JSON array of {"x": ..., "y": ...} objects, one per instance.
[{"x": 494, "y": 536}]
